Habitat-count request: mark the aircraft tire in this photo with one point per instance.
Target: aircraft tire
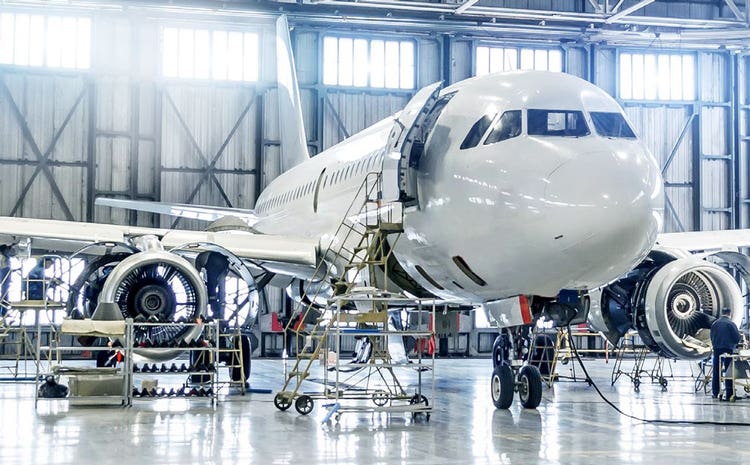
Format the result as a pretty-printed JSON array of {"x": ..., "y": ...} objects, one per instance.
[
  {"x": 502, "y": 386},
  {"x": 530, "y": 387}
]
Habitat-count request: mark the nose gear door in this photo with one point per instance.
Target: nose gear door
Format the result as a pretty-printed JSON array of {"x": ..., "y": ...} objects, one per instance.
[{"x": 405, "y": 146}]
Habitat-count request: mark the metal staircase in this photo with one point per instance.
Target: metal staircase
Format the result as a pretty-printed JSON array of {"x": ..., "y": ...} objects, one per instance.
[{"x": 359, "y": 256}]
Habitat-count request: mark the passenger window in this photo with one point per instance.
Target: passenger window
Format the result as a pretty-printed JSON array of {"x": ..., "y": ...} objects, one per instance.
[
  {"x": 507, "y": 127},
  {"x": 476, "y": 132},
  {"x": 562, "y": 123}
]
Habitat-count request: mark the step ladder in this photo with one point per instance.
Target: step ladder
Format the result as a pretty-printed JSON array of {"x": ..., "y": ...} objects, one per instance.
[{"x": 362, "y": 248}]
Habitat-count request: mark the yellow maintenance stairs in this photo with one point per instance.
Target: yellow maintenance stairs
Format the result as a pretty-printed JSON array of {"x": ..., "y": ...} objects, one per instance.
[{"x": 359, "y": 307}]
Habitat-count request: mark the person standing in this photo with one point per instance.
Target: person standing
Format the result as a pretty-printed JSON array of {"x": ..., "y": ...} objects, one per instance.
[
  {"x": 724, "y": 338},
  {"x": 37, "y": 282},
  {"x": 216, "y": 268},
  {"x": 6, "y": 252}
]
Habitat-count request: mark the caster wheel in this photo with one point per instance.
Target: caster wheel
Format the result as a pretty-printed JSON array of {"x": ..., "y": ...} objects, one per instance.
[
  {"x": 304, "y": 404},
  {"x": 282, "y": 402},
  {"x": 380, "y": 398}
]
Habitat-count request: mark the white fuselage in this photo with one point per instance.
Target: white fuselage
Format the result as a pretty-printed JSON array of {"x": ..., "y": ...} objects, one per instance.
[{"x": 530, "y": 214}]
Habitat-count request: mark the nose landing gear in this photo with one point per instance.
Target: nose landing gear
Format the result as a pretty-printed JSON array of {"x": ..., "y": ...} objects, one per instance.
[
  {"x": 527, "y": 381},
  {"x": 509, "y": 377}
]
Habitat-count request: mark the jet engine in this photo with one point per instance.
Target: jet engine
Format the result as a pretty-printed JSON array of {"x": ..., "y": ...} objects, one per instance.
[
  {"x": 151, "y": 285},
  {"x": 671, "y": 300}
]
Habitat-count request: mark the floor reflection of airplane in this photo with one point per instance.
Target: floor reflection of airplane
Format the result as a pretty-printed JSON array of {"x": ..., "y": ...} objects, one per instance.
[{"x": 521, "y": 192}]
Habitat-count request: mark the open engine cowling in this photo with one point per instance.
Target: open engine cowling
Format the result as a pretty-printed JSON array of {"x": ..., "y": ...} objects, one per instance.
[
  {"x": 157, "y": 286},
  {"x": 671, "y": 301}
]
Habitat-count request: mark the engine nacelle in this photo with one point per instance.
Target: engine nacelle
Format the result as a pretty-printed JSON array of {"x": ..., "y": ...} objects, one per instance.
[
  {"x": 671, "y": 300},
  {"x": 157, "y": 286}
]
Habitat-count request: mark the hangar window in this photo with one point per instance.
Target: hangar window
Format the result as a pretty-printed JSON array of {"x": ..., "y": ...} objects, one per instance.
[
  {"x": 39, "y": 40},
  {"x": 557, "y": 123},
  {"x": 657, "y": 76},
  {"x": 209, "y": 54},
  {"x": 507, "y": 127},
  {"x": 496, "y": 59},
  {"x": 368, "y": 63}
]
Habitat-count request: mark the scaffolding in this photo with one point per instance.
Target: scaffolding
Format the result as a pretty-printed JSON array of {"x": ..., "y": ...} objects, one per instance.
[
  {"x": 22, "y": 336},
  {"x": 629, "y": 350},
  {"x": 359, "y": 307}
]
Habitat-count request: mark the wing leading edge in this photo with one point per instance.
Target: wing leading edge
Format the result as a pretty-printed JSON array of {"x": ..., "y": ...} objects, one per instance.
[
  {"x": 696, "y": 241},
  {"x": 195, "y": 212},
  {"x": 280, "y": 249}
]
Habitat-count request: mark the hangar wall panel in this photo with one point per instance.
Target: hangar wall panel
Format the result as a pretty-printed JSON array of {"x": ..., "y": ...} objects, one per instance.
[
  {"x": 715, "y": 199},
  {"x": 461, "y": 61},
  {"x": 55, "y": 111},
  {"x": 202, "y": 125},
  {"x": 429, "y": 59},
  {"x": 306, "y": 56},
  {"x": 605, "y": 66},
  {"x": 660, "y": 127},
  {"x": 713, "y": 77},
  {"x": 577, "y": 62},
  {"x": 743, "y": 129},
  {"x": 356, "y": 111}
]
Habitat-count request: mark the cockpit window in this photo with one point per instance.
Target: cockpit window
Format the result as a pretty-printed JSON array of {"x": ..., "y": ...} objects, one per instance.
[
  {"x": 611, "y": 125},
  {"x": 507, "y": 127},
  {"x": 476, "y": 132},
  {"x": 564, "y": 123}
]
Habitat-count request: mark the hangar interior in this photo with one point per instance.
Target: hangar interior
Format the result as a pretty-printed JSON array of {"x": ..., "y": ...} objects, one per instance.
[
  {"x": 175, "y": 101},
  {"x": 141, "y": 110}
]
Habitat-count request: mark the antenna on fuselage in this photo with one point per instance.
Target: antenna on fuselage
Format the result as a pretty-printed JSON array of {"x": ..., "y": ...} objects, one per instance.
[{"x": 291, "y": 126}]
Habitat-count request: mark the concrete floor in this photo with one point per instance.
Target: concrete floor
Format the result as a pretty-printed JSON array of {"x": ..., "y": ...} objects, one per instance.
[{"x": 572, "y": 426}]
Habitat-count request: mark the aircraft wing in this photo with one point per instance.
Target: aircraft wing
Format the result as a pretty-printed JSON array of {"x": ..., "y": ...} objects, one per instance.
[
  {"x": 696, "y": 241},
  {"x": 261, "y": 248},
  {"x": 196, "y": 212}
]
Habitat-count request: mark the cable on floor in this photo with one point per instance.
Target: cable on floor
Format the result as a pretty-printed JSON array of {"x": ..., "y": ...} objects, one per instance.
[{"x": 645, "y": 420}]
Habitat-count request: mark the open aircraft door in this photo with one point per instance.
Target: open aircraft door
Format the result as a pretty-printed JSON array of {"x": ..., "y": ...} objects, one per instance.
[{"x": 405, "y": 147}]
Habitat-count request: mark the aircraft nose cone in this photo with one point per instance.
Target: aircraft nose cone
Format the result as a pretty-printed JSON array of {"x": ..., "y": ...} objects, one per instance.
[{"x": 605, "y": 210}]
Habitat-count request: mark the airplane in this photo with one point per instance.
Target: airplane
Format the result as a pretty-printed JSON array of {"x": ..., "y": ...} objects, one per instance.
[{"x": 524, "y": 194}]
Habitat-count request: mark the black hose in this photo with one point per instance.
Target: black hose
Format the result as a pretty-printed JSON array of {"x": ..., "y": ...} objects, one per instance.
[{"x": 633, "y": 417}]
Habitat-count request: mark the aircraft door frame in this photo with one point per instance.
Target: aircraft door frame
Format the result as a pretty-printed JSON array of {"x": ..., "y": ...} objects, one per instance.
[
  {"x": 403, "y": 149},
  {"x": 317, "y": 190}
]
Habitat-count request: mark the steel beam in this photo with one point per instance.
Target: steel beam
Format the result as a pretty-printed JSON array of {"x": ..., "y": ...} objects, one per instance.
[
  {"x": 673, "y": 213},
  {"x": 678, "y": 143},
  {"x": 341, "y": 126},
  {"x": 735, "y": 9},
  {"x": 618, "y": 16},
  {"x": 91, "y": 153},
  {"x": 466, "y": 5},
  {"x": 616, "y": 8},
  {"x": 697, "y": 175}
]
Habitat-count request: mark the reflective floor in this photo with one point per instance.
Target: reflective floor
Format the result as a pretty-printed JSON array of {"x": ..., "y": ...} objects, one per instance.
[{"x": 572, "y": 426}]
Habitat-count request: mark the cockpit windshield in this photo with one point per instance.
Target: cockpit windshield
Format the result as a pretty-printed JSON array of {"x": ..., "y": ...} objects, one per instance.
[
  {"x": 477, "y": 131},
  {"x": 507, "y": 127},
  {"x": 611, "y": 125},
  {"x": 564, "y": 123}
]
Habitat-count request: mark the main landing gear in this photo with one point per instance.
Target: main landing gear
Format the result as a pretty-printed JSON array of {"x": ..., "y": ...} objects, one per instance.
[{"x": 508, "y": 379}]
